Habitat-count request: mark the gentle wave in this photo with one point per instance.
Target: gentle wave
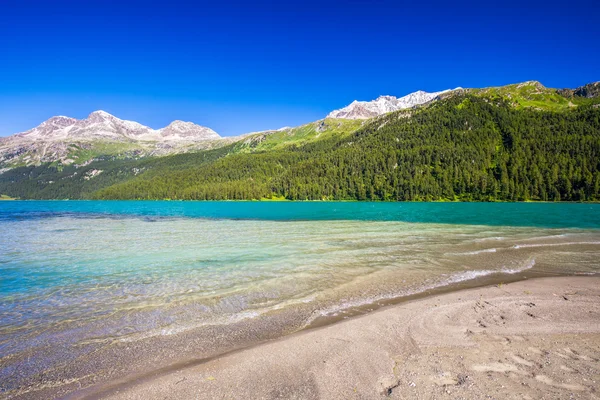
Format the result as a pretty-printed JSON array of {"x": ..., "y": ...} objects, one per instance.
[
  {"x": 453, "y": 279},
  {"x": 523, "y": 246},
  {"x": 238, "y": 317},
  {"x": 545, "y": 237},
  {"x": 473, "y": 253},
  {"x": 469, "y": 275},
  {"x": 487, "y": 239},
  {"x": 223, "y": 320}
]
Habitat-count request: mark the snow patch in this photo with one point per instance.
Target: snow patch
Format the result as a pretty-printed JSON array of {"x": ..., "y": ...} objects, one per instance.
[{"x": 384, "y": 105}]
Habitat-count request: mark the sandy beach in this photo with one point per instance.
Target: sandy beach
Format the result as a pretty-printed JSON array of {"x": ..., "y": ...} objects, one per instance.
[{"x": 537, "y": 338}]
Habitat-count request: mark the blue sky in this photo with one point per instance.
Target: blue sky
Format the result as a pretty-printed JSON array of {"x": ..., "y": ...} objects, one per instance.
[{"x": 246, "y": 66}]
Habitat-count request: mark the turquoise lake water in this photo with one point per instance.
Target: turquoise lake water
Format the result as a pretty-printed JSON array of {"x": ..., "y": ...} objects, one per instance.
[
  {"x": 556, "y": 215},
  {"x": 81, "y": 277}
]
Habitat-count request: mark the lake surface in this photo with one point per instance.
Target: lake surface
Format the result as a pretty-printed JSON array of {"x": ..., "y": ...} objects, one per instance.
[
  {"x": 119, "y": 279},
  {"x": 548, "y": 215}
]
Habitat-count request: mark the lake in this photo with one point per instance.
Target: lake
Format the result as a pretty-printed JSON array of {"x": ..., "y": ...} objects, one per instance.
[{"x": 105, "y": 288}]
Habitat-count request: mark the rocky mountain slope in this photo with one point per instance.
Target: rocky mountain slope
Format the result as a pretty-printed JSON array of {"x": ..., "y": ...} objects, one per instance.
[
  {"x": 517, "y": 142},
  {"x": 590, "y": 90},
  {"x": 526, "y": 94},
  {"x": 69, "y": 140}
]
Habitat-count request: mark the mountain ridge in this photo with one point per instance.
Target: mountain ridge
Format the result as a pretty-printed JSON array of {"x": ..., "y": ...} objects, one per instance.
[
  {"x": 385, "y": 104},
  {"x": 483, "y": 146},
  {"x": 65, "y": 140},
  {"x": 102, "y": 124}
]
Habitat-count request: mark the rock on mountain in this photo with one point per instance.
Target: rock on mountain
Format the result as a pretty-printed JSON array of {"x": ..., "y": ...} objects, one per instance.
[
  {"x": 384, "y": 105},
  {"x": 58, "y": 138},
  {"x": 590, "y": 90}
]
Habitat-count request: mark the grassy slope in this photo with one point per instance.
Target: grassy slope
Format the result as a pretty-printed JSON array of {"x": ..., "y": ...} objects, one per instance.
[
  {"x": 533, "y": 94},
  {"x": 83, "y": 152},
  {"x": 275, "y": 140}
]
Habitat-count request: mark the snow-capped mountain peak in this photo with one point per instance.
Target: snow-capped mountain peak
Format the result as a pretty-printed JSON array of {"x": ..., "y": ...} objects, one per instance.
[
  {"x": 60, "y": 121},
  {"x": 183, "y": 130},
  {"x": 52, "y": 140},
  {"x": 384, "y": 105},
  {"x": 100, "y": 125},
  {"x": 57, "y": 126},
  {"x": 100, "y": 116},
  {"x": 180, "y": 125}
]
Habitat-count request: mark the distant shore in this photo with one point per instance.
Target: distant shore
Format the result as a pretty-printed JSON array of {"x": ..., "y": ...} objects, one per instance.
[
  {"x": 533, "y": 338},
  {"x": 284, "y": 200}
]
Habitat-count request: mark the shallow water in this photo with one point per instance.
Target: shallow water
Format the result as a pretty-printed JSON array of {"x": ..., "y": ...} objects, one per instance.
[{"x": 78, "y": 275}]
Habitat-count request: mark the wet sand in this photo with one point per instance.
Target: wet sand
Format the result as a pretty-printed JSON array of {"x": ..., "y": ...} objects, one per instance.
[{"x": 538, "y": 338}]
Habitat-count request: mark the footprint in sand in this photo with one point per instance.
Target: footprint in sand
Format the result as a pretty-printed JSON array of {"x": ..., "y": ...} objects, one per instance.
[
  {"x": 521, "y": 360},
  {"x": 497, "y": 367},
  {"x": 569, "y": 386},
  {"x": 444, "y": 379},
  {"x": 566, "y": 369},
  {"x": 576, "y": 355}
]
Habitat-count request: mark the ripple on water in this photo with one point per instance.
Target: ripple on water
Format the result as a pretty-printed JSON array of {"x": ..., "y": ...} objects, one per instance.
[{"x": 77, "y": 283}]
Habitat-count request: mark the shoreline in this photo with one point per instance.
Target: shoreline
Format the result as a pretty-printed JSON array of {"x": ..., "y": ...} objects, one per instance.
[
  {"x": 135, "y": 387},
  {"x": 70, "y": 387},
  {"x": 266, "y": 200},
  {"x": 345, "y": 269},
  {"x": 349, "y": 314}
]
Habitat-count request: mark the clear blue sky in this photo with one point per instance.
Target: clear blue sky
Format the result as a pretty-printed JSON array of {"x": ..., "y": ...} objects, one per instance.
[{"x": 245, "y": 66}]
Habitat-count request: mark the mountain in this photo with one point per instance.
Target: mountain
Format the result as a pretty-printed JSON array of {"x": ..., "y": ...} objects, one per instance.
[
  {"x": 513, "y": 143},
  {"x": 180, "y": 130},
  {"x": 526, "y": 94},
  {"x": 64, "y": 140},
  {"x": 460, "y": 148},
  {"x": 101, "y": 125},
  {"x": 68, "y": 140},
  {"x": 590, "y": 90},
  {"x": 384, "y": 105}
]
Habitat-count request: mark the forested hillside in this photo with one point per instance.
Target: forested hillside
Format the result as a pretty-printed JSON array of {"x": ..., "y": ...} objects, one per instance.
[
  {"x": 80, "y": 181},
  {"x": 485, "y": 146},
  {"x": 54, "y": 181},
  {"x": 462, "y": 148}
]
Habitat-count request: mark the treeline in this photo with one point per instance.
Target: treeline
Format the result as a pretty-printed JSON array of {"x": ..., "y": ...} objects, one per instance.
[{"x": 463, "y": 148}]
